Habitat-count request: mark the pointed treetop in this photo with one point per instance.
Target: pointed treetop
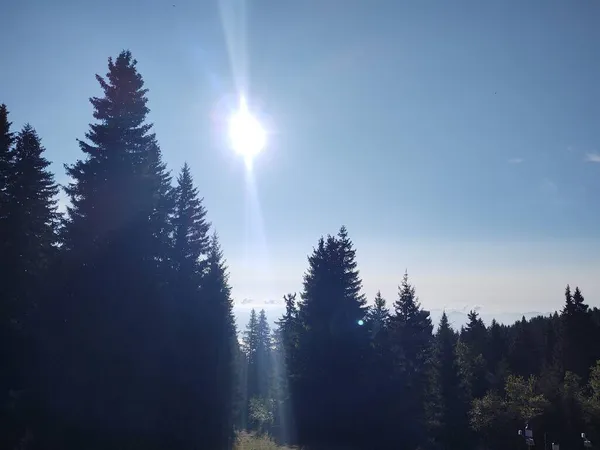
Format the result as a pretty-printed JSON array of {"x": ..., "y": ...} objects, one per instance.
[
  {"x": 444, "y": 323},
  {"x": 407, "y": 304},
  {"x": 6, "y": 142},
  {"x": 568, "y": 296},
  {"x": 192, "y": 241},
  {"x": 6, "y": 136},
  {"x": 121, "y": 111}
]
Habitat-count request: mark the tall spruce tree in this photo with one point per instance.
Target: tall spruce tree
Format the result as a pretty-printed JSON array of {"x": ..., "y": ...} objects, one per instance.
[
  {"x": 30, "y": 223},
  {"x": 113, "y": 327},
  {"x": 6, "y": 154},
  {"x": 328, "y": 381},
  {"x": 250, "y": 345},
  {"x": 285, "y": 340},
  {"x": 450, "y": 404},
  {"x": 185, "y": 400},
  {"x": 220, "y": 387},
  {"x": 6, "y": 303},
  {"x": 411, "y": 339},
  {"x": 576, "y": 330},
  {"x": 263, "y": 356},
  {"x": 496, "y": 355},
  {"x": 6, "y": 162},
  {"x": 257, "y": 342},
  {"x": 379, "y": 377},
  {"x": 378, "y": 317},
  {"x": 191, "y": 238},
  {"x": 471, "y": 350}
]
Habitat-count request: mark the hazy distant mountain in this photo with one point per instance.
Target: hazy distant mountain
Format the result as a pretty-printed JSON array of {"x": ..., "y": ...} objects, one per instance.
[{"x": 457, "y": 318}]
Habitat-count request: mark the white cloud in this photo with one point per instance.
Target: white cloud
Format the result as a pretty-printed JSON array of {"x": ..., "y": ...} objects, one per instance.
[
  {"x": 515, "y": 160},
  {"x": 592, "y": 157}
]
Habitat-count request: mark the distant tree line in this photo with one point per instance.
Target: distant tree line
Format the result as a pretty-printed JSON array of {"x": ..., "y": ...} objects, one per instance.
[
  {"x": 117, "y": 332},
  {"x": 377, "y": 377}
]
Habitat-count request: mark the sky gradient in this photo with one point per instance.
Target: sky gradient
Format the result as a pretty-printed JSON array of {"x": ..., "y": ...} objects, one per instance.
[{"x": 459, "y": 140}]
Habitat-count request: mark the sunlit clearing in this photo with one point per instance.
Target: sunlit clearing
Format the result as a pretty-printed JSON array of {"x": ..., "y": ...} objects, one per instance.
[{"x": 246, "y": 134}]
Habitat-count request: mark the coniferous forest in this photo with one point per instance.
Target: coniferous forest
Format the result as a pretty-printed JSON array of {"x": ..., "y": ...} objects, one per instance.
[{"x": 117, "y": 329}]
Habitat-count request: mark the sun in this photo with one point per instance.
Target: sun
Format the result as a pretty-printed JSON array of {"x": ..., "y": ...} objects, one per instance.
[{"x": 247, "y": 136}]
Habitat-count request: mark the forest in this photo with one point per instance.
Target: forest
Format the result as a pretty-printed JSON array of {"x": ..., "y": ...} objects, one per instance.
[{"x": 117, "y": 330}]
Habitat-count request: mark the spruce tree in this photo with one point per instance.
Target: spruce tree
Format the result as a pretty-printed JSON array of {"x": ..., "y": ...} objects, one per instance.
[
  {"x": 450, "y": 407},
  {"x": 250, "y": 345},
  {"x": 6, "y": 304},
  {"x": 29, "y": 248},
  {"x": 31, "y": 220},
  {"x": 191, "y": 238},
  {"x": 6, "y": 162},
  {"x": 184, "y": 397},
  {"x": 378, "y": 316},
  {"x": 263, "y": 356},
  {"x": 285, "y": 340},
  {"x": 496, "y": 355},
  {"x": 6, "y": 154},
  {"x": 222, "y": 349},
  {"x": 472, "y": 345},
  {"x": 411, "y": 339},
  {"x": 113, "y": 328},
  {"x": 329, "y": 373},
  {"x": 577, "y": 327},
  {"x": 379, "y": 377}
]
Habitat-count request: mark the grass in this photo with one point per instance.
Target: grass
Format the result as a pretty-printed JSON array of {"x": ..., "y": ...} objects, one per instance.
[{"x": 248, "y": 441}]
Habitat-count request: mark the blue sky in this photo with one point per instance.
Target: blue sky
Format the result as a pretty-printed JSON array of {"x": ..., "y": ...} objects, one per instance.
[{"x": 460, "y": 140}]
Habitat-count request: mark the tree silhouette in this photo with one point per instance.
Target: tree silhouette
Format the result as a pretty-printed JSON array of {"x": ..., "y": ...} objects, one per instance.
[
  {"x": 117, "y": 245},
  {"x": 29, "y": 239},
  {"x": 329, "y": 374}
]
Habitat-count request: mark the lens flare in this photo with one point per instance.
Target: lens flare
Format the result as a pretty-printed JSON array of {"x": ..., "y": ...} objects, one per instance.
[{"x": 247, "y": 136}]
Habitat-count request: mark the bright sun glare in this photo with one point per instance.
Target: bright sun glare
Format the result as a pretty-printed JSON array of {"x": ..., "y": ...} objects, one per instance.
[{"x": 246, "y": 134}]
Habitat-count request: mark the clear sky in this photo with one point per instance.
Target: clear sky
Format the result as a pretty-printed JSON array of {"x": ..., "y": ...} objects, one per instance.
[{"x": 460, "y": 140}]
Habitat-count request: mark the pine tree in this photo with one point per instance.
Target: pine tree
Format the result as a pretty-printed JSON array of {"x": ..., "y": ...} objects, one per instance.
[
  {"x": 260, "y": 379},
  {"x": 184, "y": 396},
  {"x": 6, "y": 304},
  {"x": 29, "y": 248},
  {"x": 263, "y": 356},
  {"x": 474, "y": 334},
  {"x": 113, "y": 327},
  {"x": 219, "y": 389},
  {"x": 450, "y": 407},
  {"x": 329, "y": 374},
  {"x": 6, "y": 162},
  {"x": 473, "y": 340},
  {"x": 411, "y": 338},
  {"x": 6, "y": 154},
  {"x": 31, "y": 219},
  {"x": 285, "y": 340},
  {"x": 250, "y": 346},
  {"x": 379, "y": 377},
  {"x": 191, "y": 239},
  {"x": 577, "y": 328},
  {"x": 496, "y": 355},
  {"x": 258, "y": 350},
  {"x": 378, "y": 316}
]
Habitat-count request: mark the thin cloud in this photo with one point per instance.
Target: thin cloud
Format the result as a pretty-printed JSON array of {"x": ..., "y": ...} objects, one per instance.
[
  {"x": 592, "y": 157},
  {"x": 515, "y": 160},
  {"x": 548, "y": 186}
]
